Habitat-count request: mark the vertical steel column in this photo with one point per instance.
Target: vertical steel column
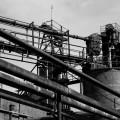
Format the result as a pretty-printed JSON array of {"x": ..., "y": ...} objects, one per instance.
[
  {"x": 81, "y": 86},
  {"x": 59, "y": 107},
  {"x": 10, "y": 116},
  {"x": 27, "y": 35},
  {"x": 68, "y": 44},
  {"x": 37, "y": 66},
  {"x": 39, "y": 40},
  {"x": 51, "y": 39},
  {"x": 11, "y": 108},
  {"x": 83, "y": 51},
  {"x": 110, "y": 58},
  {"x": 52, "y": 45},
  {"x": 32, "y": 37},
  {"x": 32, "y": 33},
  {"x": 19, "y": 111},
  {"x": 51, "y": 23},
  {"x": 61, "y": 47}
]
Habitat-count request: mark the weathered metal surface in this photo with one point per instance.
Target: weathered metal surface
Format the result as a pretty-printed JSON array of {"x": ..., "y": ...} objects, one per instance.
[
  {"x": 22, "y": 100},
  {"x": 39, "y": 52},
  {"x": 40, "y": 81},
  {"x": 109, "y": 77},
  {"x": 26, "y": 86},
  {"x": 81, "y": 106},
  {"x": 25, "y": 101},
  {"x": 59, "y": 106},
  {"x": 37, "y": 28},
  {"x": 14, "y": 82}
]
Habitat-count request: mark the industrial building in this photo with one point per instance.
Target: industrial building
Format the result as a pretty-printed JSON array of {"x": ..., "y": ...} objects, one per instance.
[{"x": 43, "y": 92}]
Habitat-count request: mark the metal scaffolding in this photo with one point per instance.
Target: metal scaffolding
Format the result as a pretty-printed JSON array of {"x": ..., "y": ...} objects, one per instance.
[{"x": 49, "y": 49}]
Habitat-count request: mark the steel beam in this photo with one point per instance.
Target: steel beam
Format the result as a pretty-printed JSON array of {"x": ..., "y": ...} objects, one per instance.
[
  {"x": 39, "y": 52},
  {"x": 40, "y": 81},
  {"x": 37, "y": 28},
  {"x": 16, "y": 83},
  {"x": 59, "y": 107}
]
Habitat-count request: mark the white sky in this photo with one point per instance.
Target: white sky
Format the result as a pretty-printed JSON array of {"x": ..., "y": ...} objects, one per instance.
[{"x": 81, "y": 17}]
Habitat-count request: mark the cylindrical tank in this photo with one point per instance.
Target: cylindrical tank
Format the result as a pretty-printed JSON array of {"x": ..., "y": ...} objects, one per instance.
[{"x": 111, "y": 78}]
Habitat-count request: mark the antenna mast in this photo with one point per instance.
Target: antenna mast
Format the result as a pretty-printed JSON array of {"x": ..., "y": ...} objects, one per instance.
[
  {"x": 51, "y": 15},
  {"x": 51, "y": 11}
]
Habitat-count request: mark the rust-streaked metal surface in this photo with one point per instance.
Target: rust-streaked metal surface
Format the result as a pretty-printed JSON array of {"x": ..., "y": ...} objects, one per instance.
[
  {"x": 39, "y": 52},
  {"x": 14, "y": 82},
  {"x": 37, "y": 28},
  {"x": 26, "y": 86},
  {"x": 40, "y": 81},
  {"x": 109, "y": 77},
  {"x": 52, "y": 85},
  {"x": 23, "y": 100}
]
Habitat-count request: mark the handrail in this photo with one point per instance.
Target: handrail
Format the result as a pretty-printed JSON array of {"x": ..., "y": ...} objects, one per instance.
[{"x": 62, "y": 90}]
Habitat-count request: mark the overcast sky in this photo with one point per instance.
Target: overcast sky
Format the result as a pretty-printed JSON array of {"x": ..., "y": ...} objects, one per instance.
[{"x": 81, "y": 17}]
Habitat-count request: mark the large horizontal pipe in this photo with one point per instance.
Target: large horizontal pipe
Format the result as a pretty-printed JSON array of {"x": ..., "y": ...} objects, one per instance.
[
  {"x": 22, "y": 100},
  {"x": 37, "y": 28},
  {"x": 15, "y": 114},
  {"x": 40, "y": 81},
  {"x": 14, "y": 82},
  {"x": 39, "y": 52},
  {"x": 25, "y": 86},
  {"x": 86, "y": 108}
]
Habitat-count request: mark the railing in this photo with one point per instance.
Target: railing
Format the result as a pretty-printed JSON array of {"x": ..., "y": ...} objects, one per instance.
[
  {"x": 75, "y": 50},
  {"x": 54, "y": 86}
]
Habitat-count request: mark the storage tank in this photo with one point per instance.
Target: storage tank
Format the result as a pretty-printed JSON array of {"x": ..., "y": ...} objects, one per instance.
[{"x": 111, "y": 78}]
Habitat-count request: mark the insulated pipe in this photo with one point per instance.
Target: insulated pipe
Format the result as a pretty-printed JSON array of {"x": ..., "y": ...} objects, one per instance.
[
  {"x": 14, "y": 82},
  {"x": 56, "y": 61},
  {"x": 40, "y": 81},
  {"x": 37, "y": 28}
]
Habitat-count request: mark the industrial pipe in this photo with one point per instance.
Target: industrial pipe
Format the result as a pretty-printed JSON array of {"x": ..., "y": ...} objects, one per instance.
[
  {"x": 75, "y": 104},
  {"x": 37, "y": 28},
  {"x": 25, "y": 86},
  {"x": 40, "y": 81},
  {"x": 19, "y": 84},
  {"x": 22, "y": 100},
  {"x": 39, "y": 52},
  {"x": 15, "y": 114}
]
